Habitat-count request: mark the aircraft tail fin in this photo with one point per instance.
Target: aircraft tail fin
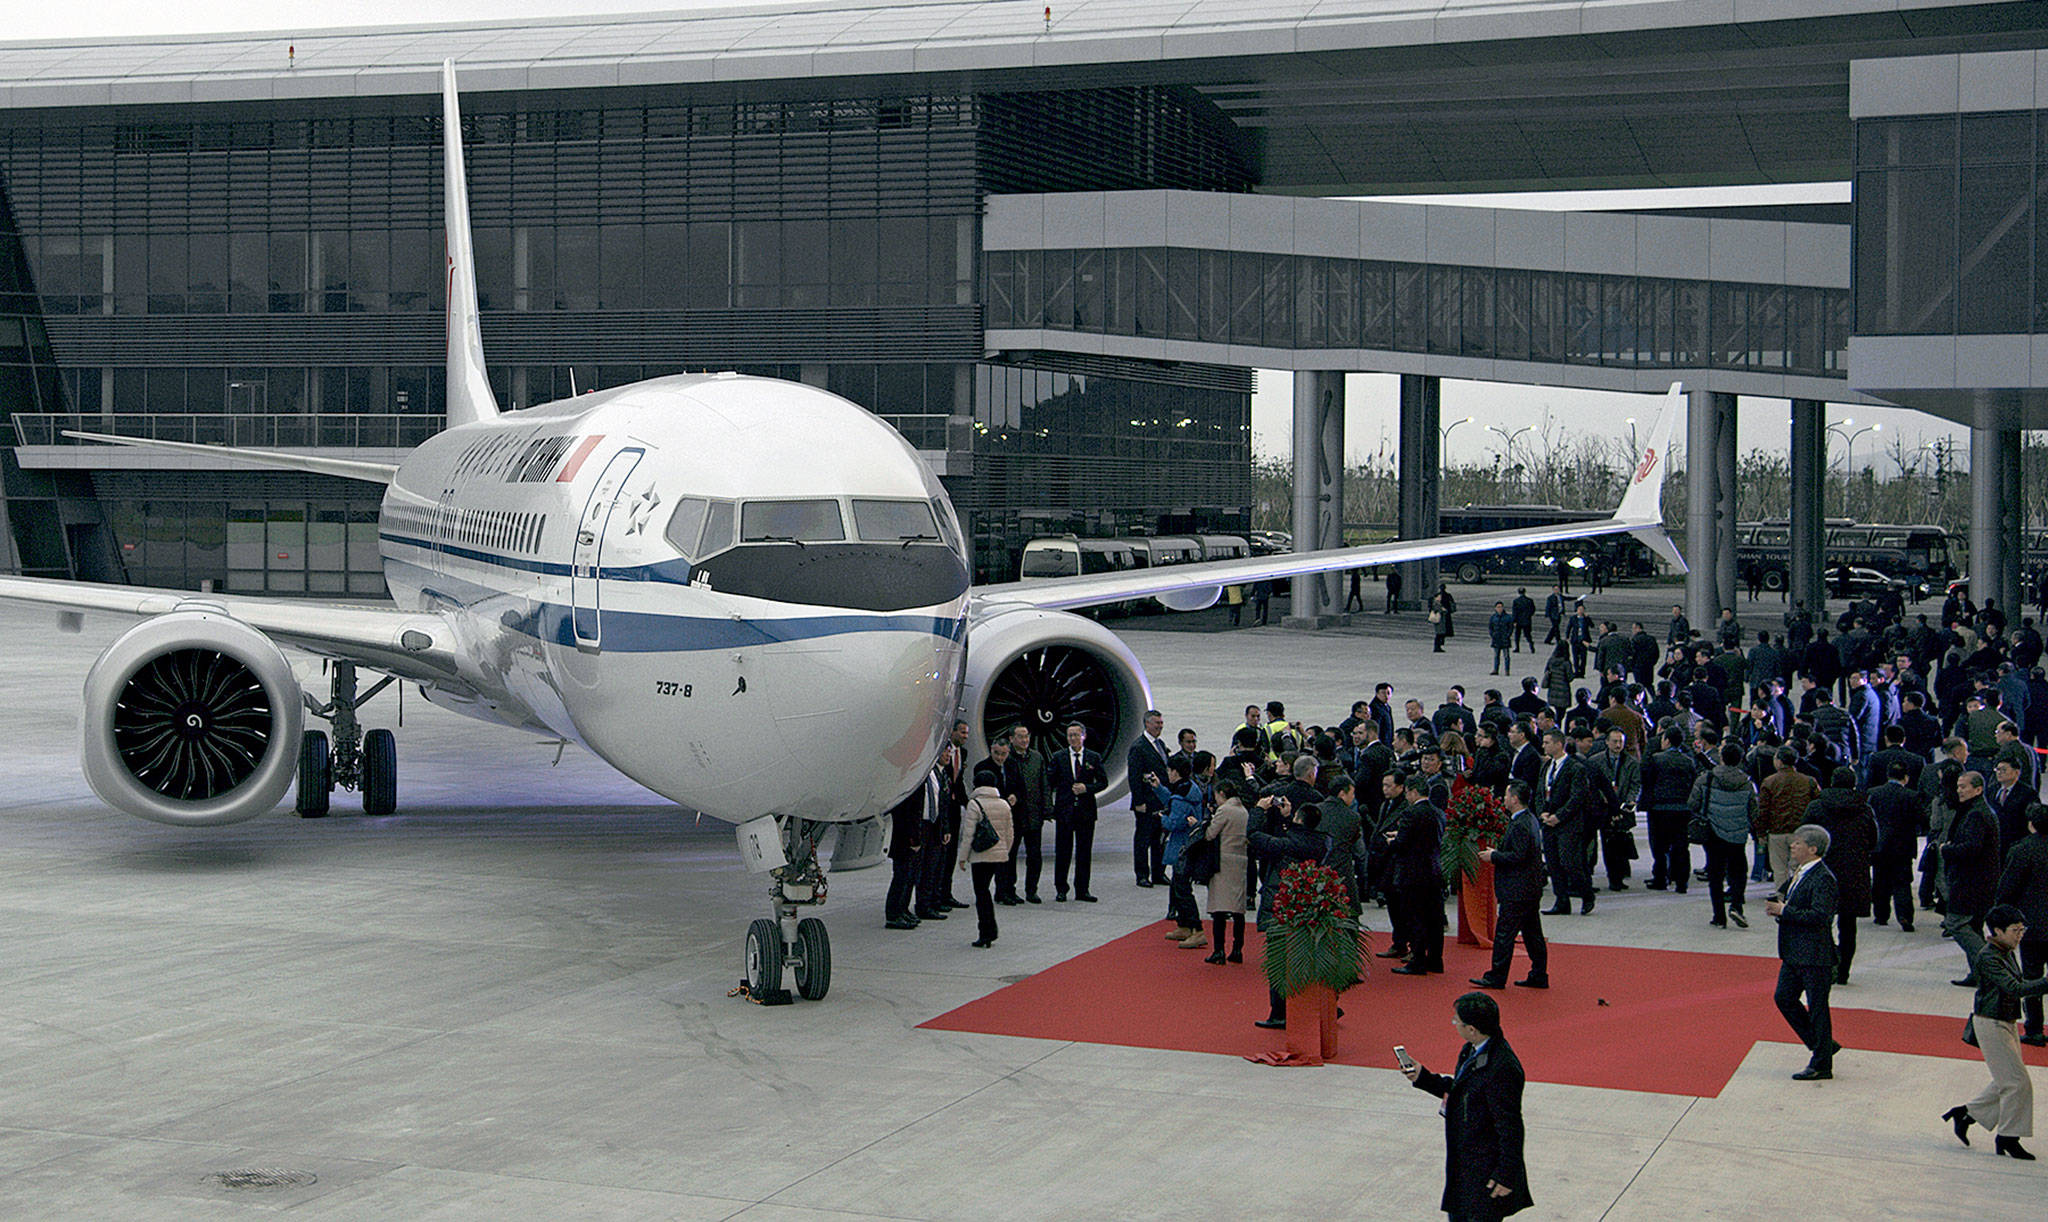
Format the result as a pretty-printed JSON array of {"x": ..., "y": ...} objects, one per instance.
[
  {"x": 469, "y": 384},
  {"x": 1642, "y": 503}
]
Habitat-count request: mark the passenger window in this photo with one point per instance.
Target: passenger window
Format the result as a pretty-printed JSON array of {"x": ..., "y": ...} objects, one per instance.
[
  {"x": 800, "y": 521},
  {"x": 687, "y": 526},
  {"x": 894, "y": 521}
]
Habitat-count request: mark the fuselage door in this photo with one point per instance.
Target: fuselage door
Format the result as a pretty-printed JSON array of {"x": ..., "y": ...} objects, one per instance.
[{"x": 584, "y": 584}]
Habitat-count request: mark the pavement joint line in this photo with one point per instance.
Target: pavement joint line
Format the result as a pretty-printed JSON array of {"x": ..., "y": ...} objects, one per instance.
[
  {"x": 909, "y": 1124},
  {"x": 1691, "y": 1103}
]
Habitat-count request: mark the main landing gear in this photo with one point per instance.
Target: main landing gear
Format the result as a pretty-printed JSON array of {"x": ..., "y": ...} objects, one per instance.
[
  {"x": 787, "y": 954},
  {"x": 367, "y": 762}
]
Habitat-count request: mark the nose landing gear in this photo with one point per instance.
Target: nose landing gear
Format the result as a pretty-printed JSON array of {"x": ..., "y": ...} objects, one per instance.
[{"x": 787, "y": 955}]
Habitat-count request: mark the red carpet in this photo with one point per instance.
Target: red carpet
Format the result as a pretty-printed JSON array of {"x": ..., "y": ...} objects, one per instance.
[{"x": 1670, "y": 1022}]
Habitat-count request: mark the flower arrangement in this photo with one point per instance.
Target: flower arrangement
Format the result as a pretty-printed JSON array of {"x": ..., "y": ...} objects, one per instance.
[
  {"x": 1477, "y": 820},
  {"x": 1314, "y": 936}
]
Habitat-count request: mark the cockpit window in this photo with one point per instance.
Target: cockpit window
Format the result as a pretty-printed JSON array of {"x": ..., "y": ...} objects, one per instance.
[
  {"x": 949, "y": 525},
  {"x": 895, "y": 521},
  {"x": 717, "y": 531},
  {"x": 687, "y": 526},
  {"x": 791, "y": 521}
]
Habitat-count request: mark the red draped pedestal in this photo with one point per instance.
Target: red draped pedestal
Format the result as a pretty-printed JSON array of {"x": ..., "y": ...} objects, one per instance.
[{"x": 1476, "y": 908}]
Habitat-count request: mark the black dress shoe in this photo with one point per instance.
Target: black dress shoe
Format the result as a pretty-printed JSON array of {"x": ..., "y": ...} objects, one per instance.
[
  {"x": 1534, "y": 981},
  {"x": 1059, "y": 897},
  {"x": 953, "y": 903},
  {"x": 2035, "y": 1041},
  {"x": 931, "y": 914},
  {"x": 1810, "y": 1074},
  {"x": 1617, "y": 886},
  {"x": 1145, "y": 882},
  {"x": 983, "y": 943},
  {"x": 1411, "y": 969},
  {"x": 1558, "y": 910},
  {"x": 1084, "y": 897},
  {"x": 1586, "y": 906},
  {"x": 1393, "y": 952},
  {"x": 1905, "y": 928},
  {"x": 900, "y": 923},
  {"x": 1161, "y": 880},
  {"x": 1489, "y": 983},
  {"x": 1032, "y": 898},
  {"x": 1738, "y": 918},
  {"x": 1215, "y": 958},
  {"x": 1960, "y": 1117},
  {"x": 1272, "y": 1024},
  {"x": 1654, "y": 885}
]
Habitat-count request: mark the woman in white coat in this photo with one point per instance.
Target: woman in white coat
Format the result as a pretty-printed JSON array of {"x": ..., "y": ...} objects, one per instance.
[
  {"x": 1229, "y": 886},
  {"x": 985, "y": 802}
]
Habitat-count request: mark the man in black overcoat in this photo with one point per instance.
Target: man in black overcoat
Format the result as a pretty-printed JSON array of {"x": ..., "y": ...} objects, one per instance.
[
  {"x": 1075, "y": 777},
  {"x": 1484, "y": 1175}
]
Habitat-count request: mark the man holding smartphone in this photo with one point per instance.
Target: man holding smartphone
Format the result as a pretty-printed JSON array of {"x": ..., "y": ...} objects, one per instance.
[{"x": 1484, "y": 1176}]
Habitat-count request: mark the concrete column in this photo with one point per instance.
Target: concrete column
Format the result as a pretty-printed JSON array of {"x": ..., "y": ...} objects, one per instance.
[
  {"x": 1987, "y": 490},
  {"x": 1702, "y": 508},
  {"x": 1318, "y": 493},
  {"x": 1809, "y": 512},
  {"x": 1421, "y": 470},
  {"x": 2011, "y": 525},
  {"x": 1725, "y": 494}
]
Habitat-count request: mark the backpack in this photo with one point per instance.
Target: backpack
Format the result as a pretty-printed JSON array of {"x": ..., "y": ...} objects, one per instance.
[{"x": 1201, "y": 857}]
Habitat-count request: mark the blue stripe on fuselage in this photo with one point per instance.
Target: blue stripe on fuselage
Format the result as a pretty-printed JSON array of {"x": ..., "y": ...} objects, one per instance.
[{"x": 662, "y": 632}]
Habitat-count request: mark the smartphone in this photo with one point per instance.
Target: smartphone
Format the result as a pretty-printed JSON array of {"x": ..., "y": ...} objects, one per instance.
[{"x": 1401, "y": 1055}]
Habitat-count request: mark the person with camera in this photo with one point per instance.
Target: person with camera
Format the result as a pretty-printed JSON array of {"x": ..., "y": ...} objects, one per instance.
[{"x": 1185, "y": 803}]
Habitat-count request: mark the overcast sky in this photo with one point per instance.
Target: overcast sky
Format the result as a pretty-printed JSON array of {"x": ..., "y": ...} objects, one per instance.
[{"x": 1371, "y": 421}]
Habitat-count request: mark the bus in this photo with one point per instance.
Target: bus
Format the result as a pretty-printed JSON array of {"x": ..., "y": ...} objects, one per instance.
[
  {"x": 1070, "y": 555},
  {"x": 1621, "y": 557},
  {"x": 1920, "y": 553}
]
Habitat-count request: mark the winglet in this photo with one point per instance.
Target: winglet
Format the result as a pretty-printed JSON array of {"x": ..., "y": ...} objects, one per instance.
[
  {"x": 469, "y": 383},
  {"x": 1642, "y": 504}
]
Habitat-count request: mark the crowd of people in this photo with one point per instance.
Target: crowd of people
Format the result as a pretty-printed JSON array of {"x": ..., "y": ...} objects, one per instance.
[{"x": 1864, "y": 771}]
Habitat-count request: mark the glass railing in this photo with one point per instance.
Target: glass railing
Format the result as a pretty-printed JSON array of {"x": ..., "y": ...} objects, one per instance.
[{"x": 269, "y": 432}]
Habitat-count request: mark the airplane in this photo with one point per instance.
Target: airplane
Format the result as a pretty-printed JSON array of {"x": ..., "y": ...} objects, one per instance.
[{"x": 729, "y": 588}]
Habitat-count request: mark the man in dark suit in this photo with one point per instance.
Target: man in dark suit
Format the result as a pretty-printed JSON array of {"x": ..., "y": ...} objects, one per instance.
[
  {"x": 1416, "y": 842},
  {"x": 1527, "y": 762},
  {"x": 1148, "y": 758},
  {"x": 1382, "y": 710},
  {"x": 1518, "y": 888},
  {"x": 2024, "y": 885},
  {"x": 1076, "y": 777},
  {"x": 1004, "y": 773},
  {"x": 905, "y": 821},
  {"x": 1806, "y": 950},
  {"x": 1027, "y": 819},
  {"x": 2009, "y": 801},
  {"x": 1566, "y": 802},
  {"x": 1485, "y": 1177},
  {"x": 1901, "y": 813}
]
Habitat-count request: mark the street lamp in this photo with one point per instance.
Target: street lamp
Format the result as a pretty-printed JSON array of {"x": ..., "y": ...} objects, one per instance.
[
  {"x": 1508, "y": 438},
  {"x": 1445, "y": 439},
  {"x": 1849, "y": 452}
]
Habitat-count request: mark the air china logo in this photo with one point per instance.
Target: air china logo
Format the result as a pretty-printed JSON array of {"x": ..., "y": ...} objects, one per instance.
[{"x": 1649, "y": 464}]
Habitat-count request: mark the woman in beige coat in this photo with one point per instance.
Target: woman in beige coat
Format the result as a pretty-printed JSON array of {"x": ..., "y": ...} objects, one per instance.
[
  {"x": 983, "y": 865},
  {"x": 1228, "y": 887}
]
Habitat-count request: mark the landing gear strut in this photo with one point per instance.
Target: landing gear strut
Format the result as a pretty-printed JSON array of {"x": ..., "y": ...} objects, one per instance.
[
  {"x": 787, "y": 954},
  {"x": 356, "y": 760}
]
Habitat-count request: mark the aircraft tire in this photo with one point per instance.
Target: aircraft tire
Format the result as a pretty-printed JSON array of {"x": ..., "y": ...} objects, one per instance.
[
  {"x": 813, "y": 959},
  {"x": 316, "y": 775},
  {"x": 764, "y": 957},
  {"x": 380, "y": 773}
]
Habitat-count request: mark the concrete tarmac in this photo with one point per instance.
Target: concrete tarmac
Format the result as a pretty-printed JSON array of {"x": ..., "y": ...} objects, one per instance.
[{"x": 509, "y": 1001}]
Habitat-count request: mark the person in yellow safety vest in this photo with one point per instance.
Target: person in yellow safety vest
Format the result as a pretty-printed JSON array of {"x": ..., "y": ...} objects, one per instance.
[
  {"x": 1280, "y": 737},
  {"x": 1251, "y": 722}
]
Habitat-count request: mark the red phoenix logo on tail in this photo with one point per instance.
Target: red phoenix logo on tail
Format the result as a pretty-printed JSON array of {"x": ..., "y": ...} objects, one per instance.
[{"x": 1648, "y": 464}]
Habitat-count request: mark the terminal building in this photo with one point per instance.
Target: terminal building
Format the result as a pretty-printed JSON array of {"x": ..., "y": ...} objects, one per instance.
[{"x": 1049, "y": 247}]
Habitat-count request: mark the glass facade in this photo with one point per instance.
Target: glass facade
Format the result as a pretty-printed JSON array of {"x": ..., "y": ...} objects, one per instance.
[
  {"x": 271, "y": 274},
  {"x": 1948, "y": 230},
  {"x": 1305, "y": 302}
]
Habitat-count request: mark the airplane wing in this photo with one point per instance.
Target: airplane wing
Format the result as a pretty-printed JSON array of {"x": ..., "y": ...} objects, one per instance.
[
  {"x": 1640, "y": 514},
  {"x": 413, "y": 645},
  {"x": 346, "y": 468}
]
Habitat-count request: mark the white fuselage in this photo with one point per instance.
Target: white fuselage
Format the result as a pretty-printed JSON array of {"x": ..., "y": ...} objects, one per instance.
[{"x": 738, "y": 673}]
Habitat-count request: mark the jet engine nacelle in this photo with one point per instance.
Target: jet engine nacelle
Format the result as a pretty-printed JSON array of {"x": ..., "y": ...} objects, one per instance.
[
  {"x": 192, "y": 718},
  {"x": 1047, "y": 669}
]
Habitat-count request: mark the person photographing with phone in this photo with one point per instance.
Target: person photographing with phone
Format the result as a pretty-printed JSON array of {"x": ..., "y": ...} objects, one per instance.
[{"x": 1484, "y": 1176}]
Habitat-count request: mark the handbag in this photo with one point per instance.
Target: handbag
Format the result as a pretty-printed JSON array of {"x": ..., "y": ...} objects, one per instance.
[
  {"x": 1200, "y": 856},
  {"x": 1436, "y": 617},
  {"x": 1970, "y": 1029},
  {"x": 985, "y": 835}
]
